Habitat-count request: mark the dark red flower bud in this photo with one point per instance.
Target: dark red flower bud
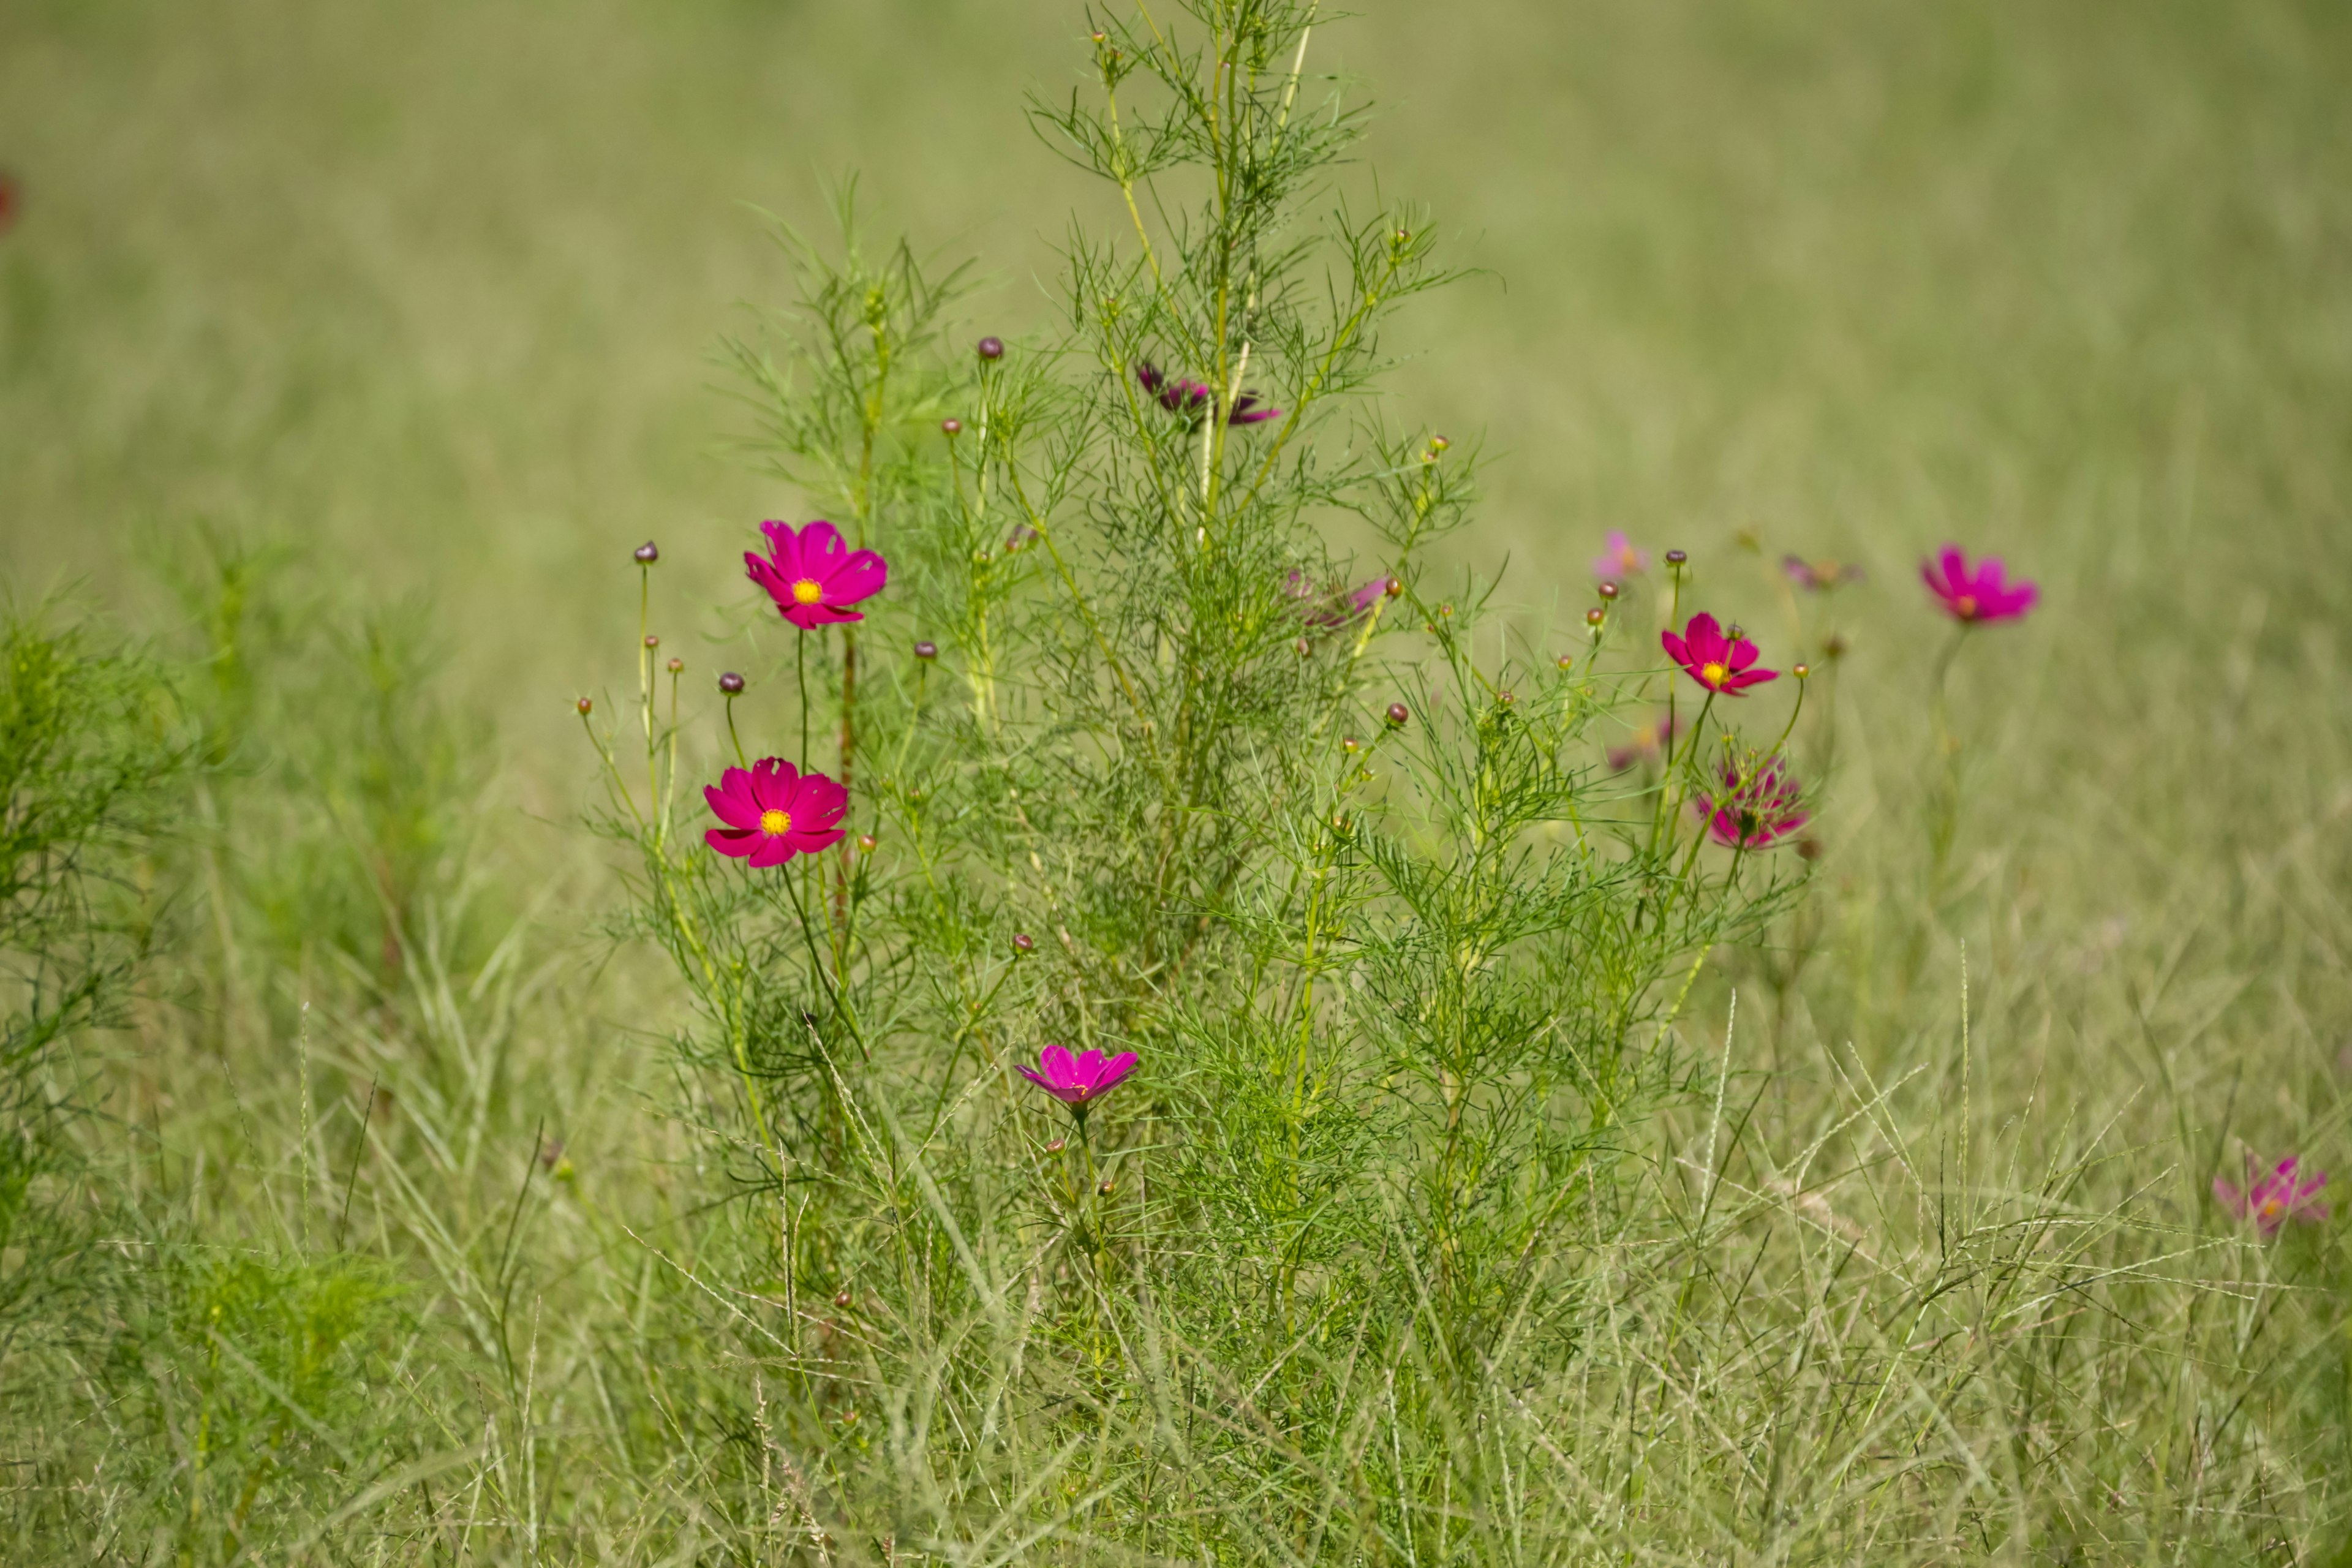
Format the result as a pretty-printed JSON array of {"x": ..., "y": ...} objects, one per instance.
[
  {"x": 1566, "y": 661},
  {"x": 1444, "y": 612},
  {"x": 1398, "y": 713},
  {"x": 1104, "y": 1188},
  {"x": 1350, "y": 743},
  {"x": 1801, "y": 671},
  {"x": 865, "y": 844},
  {"x": 841, "y": 1299},
  {"x": 586, "y": 705},
  {"x": 927, "y": 650},
  {"x": 1302, "y": 647},
  {"x": 676, "y": 664},
  {"x": 1594, "y": 616},
  {"x": 1609, "y": 589},
  {"x": 1504, "y": 697},
  {"x": 991, "y": 348},
  {"x": 646, "y": 554},
  {"x": 732, "y": 684},
  {"x": 951, "y": 427},
  {"x": 1439, "y": 443},
  {"x": 1024, "y": 943},
  {"x": 1057, "y": 1145},
  {"x": 1394, "y": 586},
  {"x": 652, "y": 641},
  {"x": 1676, "y": 557}
]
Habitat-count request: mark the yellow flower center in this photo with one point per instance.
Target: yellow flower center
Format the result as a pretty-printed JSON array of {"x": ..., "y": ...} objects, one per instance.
[
  {"x": 2271, "y": 1208},
  {"x": 1965, "y": 605},
  {"x": 773, "y": 823},
  {"x": 1713, "y": 674},
  {"x": 1082, "y": 1090},
  {"x": 807, "y": 591}
]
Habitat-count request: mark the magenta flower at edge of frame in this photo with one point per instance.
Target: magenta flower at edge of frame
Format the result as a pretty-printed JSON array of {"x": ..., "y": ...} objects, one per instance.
[
  {"x": 1754, "y": 812},
  {"x": 813, "y": 575},
  {"x": 1079, "y": 1080},
  {"x": 2268, "y": 1201},
  {"x": 1180, "y": 394},
  {"x": 1619, "y": 558},
  {"x": 1717, "y": 662},
  {"x": 1976, "y": 595},
  {"x": 773, "y": 813}
]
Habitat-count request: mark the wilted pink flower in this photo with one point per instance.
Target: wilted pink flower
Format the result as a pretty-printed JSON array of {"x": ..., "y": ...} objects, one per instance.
[
  {"x": 1647, "y": 743},
  {"x": 1980, "y": 592},
  {"x": 1715, "y": 661},
  {"x": 813, "y": 576},
  {"x": 1754, "y": 807},
  {"x": 1819, "y": 576},
  {"x": 1078, "y": 1081},
  {"x": 1179, "y": 394},
  {"x": 1620, "y": 559},
  {"x": 774, "y": 813},
  {"x": 2269, "y": 1201}
]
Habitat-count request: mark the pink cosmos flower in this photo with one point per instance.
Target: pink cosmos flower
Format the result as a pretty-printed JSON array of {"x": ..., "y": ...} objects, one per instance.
[
  {"x": 1979, "y": 594},
  {"x": 1620, "y": 559},
  {"x": 2269, "y": 1201},
  {"x": 774, "y": 813},
  {"x": 1078, "y": 1081},
  {"x": 1819, "y": 576},
  {"x": 1754, "y": 809},
  {"x": 1719, "y": 663},
  {"x": 1179, "y": 394},
  {"x": 1644, "y": 744},
  {"x": 813, "y": 576}
]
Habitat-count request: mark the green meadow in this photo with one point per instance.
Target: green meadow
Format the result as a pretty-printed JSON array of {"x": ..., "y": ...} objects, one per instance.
[{"x": 347, "y": 352}]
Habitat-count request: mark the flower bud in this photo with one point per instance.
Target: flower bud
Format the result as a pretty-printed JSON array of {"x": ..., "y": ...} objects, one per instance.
[
  {"x": 1393, "y": 586},
  {"x": 1023, "y": 944},
  {"x": 584, "y": 706},
  {"x": 652, "y": 641},
  {"x": 950, "y": 426},
  {"x": 646, "y": 554},
  {"x": 676, "y": 664},
  {"x": 841, "y": 1299},
  {"x": 865, "y": 844},
  {"x": 1734, "y": 632},
  {"x": 732, "y": 684},
  {"x": 1505, "y": 697},
  {"x": 1610, "y": 591},
  {"x": 1801, "y": 671},
  {"x": 1350, "y": 743},
  {"x": 1302, "y": 647},
  {"x": 991, "y": 348},
  {"x": 1833, "y": 649},
  {"x": 1439, "y": 443},
  {"x": 1566, "y": 661},
  {"x": 1676, "y": 557},
  {"x": 1594, "y": 616},
  {"x": 927, "y": 650},
  {"x": 1103, "y": 1188},
  {"x": 1057, "y": 1145},
  {"x": 1444, "y": 612},
  {"x": 1398, "y": 714}
]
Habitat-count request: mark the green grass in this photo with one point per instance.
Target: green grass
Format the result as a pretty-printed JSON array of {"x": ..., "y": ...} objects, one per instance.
[{"x": 422, "y": 299}]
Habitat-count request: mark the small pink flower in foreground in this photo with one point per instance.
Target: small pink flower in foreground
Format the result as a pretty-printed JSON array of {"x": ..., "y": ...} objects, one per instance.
[
  {"x": 1974, "y": 594},
  {"x": 1756, "y": 807},
  {"x": 774, "y": 813},
  {"x": 1819, "y": 576},
  {"x": 1717, "y": 662},
  {"x": 2269, "y": 1201},
  {"x": 1619, "y": 558},
  {"x": 813, "y": 575},
  {"x": 1078, "y": 1081},
  {"x": 1179, "y": 394},
  {"x": 1644, "y": 744}
]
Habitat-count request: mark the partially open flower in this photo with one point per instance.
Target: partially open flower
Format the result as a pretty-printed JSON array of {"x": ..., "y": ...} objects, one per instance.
[
  {"x": 2289, "y": 1190},
  {"x": 773, "y": 813},
  {"x": 1079, "y": 1080},
  {"x": 1983, "y": 593},
  {"x": 1755, "y": 806},
  {"x": 813, "y": 576},
  {"x": 1190, "y": 398},
  {"x": 1721, "y": 664}
]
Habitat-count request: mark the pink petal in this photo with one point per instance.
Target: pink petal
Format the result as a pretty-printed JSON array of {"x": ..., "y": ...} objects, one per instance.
[
  {"x": 1059, "y": 1068},
  {"x": 818, "y": 803},
  {"x": 822, "y": 550},
  {"x": 773, "y": 782},
  {"x": 1118, "y": 1068},
  {"x": 861, "y": 577},
  {"x": 810, "y": 840},
  {"x": 743, "y": 816},
  {"x": 1705, "y": 640},
  {"x": 729, "y": 841},
  {"x": 786, "y": 546},
  {"x": 772, "y": 851},
  {"x": 1676, "y": 649}
]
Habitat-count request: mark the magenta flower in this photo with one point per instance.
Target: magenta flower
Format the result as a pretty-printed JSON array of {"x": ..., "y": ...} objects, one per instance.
[
  {"x": 2269, "y": 1201},
  {"x": 1179, "y": 394},
  {"x": 1754, "y": 809},
  {"x": 1078, "y": 1081},
  {"x": 1979, "y": 594},
  {"x": 774, "y": 813},
  {"x": 813, "y": 576},
  {"x": 1819, "y": 576},
  {"x": 1719, "y": 663},
  {"x": 1620, "y": 559},
  {"x": 1644, "y": 744}
]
